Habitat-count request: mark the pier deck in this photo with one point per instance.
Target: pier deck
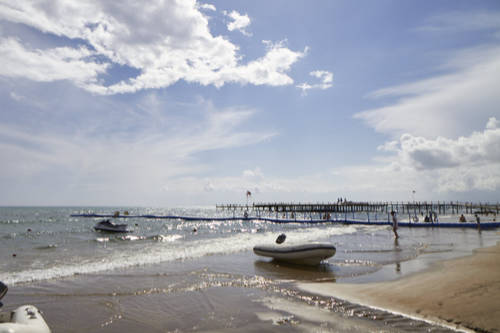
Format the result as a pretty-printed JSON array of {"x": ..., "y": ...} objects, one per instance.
[{"x": 439, "y": 207}]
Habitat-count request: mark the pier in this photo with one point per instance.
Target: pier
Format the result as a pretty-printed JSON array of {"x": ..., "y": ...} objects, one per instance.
[
  {"x": 409, "y": 214},
  {"x": 413, "y": 208}
]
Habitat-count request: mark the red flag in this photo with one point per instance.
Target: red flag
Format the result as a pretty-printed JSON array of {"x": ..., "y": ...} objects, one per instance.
[{"x": 249, "y": 194}]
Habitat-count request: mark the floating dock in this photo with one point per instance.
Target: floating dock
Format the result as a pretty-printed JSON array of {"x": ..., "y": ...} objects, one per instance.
[{"x": 355, "y": 213}]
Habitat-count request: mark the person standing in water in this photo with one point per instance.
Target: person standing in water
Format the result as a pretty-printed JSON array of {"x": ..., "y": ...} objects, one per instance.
[{"x": 394, "y": 224}]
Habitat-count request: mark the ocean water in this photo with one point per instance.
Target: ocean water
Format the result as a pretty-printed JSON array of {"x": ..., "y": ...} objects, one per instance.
[
  {"x": 207, "y": 269},
  {"x": 38, "y": 243}
]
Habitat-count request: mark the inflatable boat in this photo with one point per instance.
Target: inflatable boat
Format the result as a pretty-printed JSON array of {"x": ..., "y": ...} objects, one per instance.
[
  {"x": 305, "y": 254},
  {"x": 24, "y": 319},
  {"x": 108, "y": 226}
]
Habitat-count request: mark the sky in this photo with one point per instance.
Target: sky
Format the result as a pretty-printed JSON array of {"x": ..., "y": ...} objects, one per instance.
[{"x": 184, "y": 103}]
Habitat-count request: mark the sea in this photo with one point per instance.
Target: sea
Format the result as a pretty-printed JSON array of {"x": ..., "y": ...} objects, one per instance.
[{"x": 175, "y": 275}]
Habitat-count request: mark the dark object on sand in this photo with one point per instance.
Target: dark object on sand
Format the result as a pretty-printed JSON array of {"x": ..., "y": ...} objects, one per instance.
[
  {"x": 281, "y": 238},
  {"x": 108, "y": 226}
]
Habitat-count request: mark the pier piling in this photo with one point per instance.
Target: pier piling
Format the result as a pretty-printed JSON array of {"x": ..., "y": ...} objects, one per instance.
[{"x": 292, "y": 209}]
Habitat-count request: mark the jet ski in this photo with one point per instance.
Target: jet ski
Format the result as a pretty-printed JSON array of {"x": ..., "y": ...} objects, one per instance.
[{"x": 108, "y": 226}]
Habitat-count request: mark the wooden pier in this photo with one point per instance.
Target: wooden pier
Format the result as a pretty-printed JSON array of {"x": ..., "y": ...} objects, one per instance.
[{"x": 414, "y": 208}]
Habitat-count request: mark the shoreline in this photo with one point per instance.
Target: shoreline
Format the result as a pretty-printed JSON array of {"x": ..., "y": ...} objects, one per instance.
[{"x": 462, "y": 292}]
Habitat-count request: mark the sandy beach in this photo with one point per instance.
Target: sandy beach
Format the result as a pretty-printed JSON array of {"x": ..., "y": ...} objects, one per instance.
[{"x": 463, "y": 292}]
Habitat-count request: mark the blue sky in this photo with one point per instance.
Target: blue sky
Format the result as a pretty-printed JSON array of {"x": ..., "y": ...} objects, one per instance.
[{"x": 174, "y": 103}]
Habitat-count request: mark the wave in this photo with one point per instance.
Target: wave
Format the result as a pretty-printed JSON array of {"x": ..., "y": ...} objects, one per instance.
[
  {"x": 131, "y": 238},
  {"x": 168, "y": 248}
]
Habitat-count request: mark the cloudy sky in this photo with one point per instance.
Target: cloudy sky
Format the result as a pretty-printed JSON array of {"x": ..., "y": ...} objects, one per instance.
[{"x": 174, "y": 103}]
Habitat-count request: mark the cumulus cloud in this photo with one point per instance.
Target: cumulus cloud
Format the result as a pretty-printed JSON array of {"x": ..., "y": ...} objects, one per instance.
[
  {"x": 164, "y": 41},
  {"x": 239, "y": 22},
  {"x": 493, "y": 123},
  {"x": 253, "y": 174},
  {"x": 431, "y": 119},
  {"x": 207, "y": 6},
  {"x": 48, "y": 65},
  {"x": 477, "y": 149},
  {"x": 326, "y": 80},
  {"x": 466, "y": 163},
  {"x": 434, "y": 168}
]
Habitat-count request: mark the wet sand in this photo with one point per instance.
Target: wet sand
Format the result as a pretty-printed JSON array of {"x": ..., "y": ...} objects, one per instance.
[
  {"x": 463, "y": 292},
  {"x": 230, "y": 293}
]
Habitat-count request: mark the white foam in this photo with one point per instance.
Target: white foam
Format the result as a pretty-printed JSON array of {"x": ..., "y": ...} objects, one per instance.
[
  {"x": 131, "y": 238},
  {"x": 171, "y": 250},
  {"x": 167, "y": 238}
]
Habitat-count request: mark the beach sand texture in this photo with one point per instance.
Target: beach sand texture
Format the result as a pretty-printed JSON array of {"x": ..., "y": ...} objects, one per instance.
[{"x": 463, "y": 292}]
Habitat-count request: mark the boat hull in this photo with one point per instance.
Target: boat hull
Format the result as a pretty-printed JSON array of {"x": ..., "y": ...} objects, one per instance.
[
  {"x": 118, "y": 230},
  {"x": 108, "y": 226},
  {"x": 305, "y": 254},
  {"x": 25, "y": 319}
]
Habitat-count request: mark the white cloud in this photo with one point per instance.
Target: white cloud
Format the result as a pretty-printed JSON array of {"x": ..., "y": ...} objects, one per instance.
[
  {"x": 253, "y": 174},
  {"x": 463, "y": 21},
  {"x": 164, "y": 41},
  {"x": 240, "y": 22},
  {"x": 207, "y": 6},
  {"x": 464, "y": 164},
  {"x": 480, "y": 148},
  {"x": 270, "y": 69},
  {"x": 48, "y": 65},
  {"x": 15, "y": 96},
  {"x": 326, "y": 81},
  {"x": 462, "y": 96},
  {"x": 493, "y": 123},
  {"x": 431, "y": 120},
  {"x": 445, "y": 105},
  {"x": 435, "y": 168},
  {"x": 209, "y": 187},
  {"x": 96, "y": 162}
]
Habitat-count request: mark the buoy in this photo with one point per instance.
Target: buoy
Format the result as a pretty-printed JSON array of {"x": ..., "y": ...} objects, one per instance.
[{"x": 14, "y": 255}]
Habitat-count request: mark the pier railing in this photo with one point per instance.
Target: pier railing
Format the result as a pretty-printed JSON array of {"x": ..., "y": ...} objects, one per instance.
[{"x": 425, "y": 207}]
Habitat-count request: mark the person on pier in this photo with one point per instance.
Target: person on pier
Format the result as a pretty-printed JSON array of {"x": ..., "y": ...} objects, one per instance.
[{"x": 394, "y": 224}]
